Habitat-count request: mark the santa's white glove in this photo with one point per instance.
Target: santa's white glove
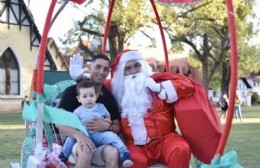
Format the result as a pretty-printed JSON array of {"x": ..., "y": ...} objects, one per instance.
[
  {"x": 76, "y": 67},
  {"x": 162, "y": 94},
  {"x": 152, "y": 85}
]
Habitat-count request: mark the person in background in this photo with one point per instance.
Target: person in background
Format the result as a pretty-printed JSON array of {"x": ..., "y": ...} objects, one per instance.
[
  {"x": 89, "y": 110},
  {"x": 25, "y": 100},
  {"x": 105, "y": 155},
  {"x": 237, "y": 110},
  {"x": 224, "y": 106}
]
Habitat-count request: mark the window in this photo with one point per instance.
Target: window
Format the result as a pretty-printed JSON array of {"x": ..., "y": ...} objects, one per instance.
[
  {"x": 9, "y": 74},
  {"x": 2, "y": 77},
  {"x": 215, "y": 94},
  {"x": 240, "y": 86},
  {"x": 162, "y": 68},
  {"x": 174, "y": 69},
  {"x": 47, "y": 64}
]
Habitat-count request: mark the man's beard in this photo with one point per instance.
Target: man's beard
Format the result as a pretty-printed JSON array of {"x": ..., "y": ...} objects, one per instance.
[{"x": 136, "y": 99}]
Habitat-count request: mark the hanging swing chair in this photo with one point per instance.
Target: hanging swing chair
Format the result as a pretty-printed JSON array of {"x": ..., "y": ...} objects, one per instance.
[{"x": 40, "y": 110}]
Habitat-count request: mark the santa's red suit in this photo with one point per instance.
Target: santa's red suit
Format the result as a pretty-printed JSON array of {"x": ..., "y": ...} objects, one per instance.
[{"x": 197, "y": 120}]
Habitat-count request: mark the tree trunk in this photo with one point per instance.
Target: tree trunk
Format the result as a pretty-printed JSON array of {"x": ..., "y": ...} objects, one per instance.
[
  {"x": 225, "y": 78},
  {"x": 205, "y": 73},
  {"x": 113, "y": 32},
  {"x": 204, "y": 61}
]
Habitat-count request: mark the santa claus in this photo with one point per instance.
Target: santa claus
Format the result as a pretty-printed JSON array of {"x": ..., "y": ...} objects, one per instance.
[{"x": 149, "y": 103}]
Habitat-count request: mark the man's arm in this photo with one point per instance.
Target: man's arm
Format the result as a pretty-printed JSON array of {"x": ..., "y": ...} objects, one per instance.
[
  {"x": 69, "y": 103},
  {"x": 103, "y": 125},
  {"x": 82, "y": 140},
  {"x": 111, "y": 106},
  {"x": 115, "y": 126}
]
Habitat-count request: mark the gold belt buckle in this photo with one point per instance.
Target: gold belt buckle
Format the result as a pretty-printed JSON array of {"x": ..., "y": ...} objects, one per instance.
[{"x": 154, "y": 138}]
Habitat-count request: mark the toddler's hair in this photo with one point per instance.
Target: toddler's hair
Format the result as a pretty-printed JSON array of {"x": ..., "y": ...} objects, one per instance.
[{"x": 86, "y": 84}]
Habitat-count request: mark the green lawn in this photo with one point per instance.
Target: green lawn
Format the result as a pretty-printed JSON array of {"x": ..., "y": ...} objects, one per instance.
[
  {"x": 12, "y": 134},
  {"x": 244, "y": 138}
]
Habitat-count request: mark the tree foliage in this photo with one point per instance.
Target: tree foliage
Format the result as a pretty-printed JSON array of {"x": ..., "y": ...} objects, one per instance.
[
  {"x": 128, "y": 16},
  {"x": 204, "y": 28},
  {"x": 249, "y": 60}
]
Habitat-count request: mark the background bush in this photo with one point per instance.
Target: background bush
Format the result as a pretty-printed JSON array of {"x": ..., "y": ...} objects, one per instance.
[{"x": 255, "y": 98}]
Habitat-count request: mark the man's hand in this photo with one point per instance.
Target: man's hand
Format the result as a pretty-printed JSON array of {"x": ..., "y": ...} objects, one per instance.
[
  {"x": 98, "y": 125},
  {"x": 84, "y": 143},
  {"x": 152, "y": 85},
  {"x": 108, "y": 120},
  {"x": 76, "y": 67}
]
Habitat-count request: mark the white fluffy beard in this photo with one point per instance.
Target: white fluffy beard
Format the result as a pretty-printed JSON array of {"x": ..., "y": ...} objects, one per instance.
[
  {"x": 136, "y": 99},
  {"x": 133, "y": 99}
]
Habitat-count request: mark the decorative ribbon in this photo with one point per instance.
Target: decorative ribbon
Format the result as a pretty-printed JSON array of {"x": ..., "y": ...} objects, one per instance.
[
  {"x": 50, "y": 92},
  {"x": 52, "y": 115},
  {"x": 229, "y": 160}
]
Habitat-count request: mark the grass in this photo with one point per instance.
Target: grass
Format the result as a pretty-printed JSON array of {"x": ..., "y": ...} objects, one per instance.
[
  {"x": 244, "y": 138},
  {"x": 12, "y": 135}
]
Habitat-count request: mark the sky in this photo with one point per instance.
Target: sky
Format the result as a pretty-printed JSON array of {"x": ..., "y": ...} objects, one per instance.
[
  {"x": 70, "y": 14},
  {"x": 256, "y": 39},
  {"x": 63, "y": 22}
]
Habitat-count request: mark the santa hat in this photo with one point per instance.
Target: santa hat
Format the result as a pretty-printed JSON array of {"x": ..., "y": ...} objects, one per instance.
[{"x": 127, "y": 55}]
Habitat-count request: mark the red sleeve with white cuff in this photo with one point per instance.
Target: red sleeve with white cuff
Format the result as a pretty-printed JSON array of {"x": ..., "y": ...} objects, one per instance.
[{"x": 175, "y": 86}]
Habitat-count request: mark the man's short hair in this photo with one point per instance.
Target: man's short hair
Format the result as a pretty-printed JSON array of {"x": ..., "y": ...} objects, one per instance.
[{"x": 101, "y": 56}]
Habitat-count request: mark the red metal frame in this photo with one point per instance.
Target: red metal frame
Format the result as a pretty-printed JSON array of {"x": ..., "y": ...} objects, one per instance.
[
  {"x": 233, "y": 62},
  {"x": 233, "y": 80}
]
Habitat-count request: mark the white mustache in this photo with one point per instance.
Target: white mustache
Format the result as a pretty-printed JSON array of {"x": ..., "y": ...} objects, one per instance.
[{"x": 134, "y": 76}]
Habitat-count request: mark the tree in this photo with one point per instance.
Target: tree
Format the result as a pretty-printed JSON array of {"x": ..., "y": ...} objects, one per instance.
[
  {"x": 204, "y": 28},
  {"x": 248, "y": 60},
  {"x": 128, "y": 17}
]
